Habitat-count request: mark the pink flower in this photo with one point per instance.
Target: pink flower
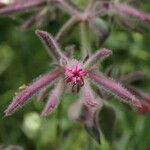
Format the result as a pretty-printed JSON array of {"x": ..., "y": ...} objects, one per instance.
[{"x": 73, "y": 73}]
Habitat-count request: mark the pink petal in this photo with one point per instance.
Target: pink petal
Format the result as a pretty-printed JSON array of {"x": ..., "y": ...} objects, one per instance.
[
  {"x": 30, "y": 90},
  {"x": 139, "y": 93},
  {"x": 115, "y": 88},
  {"x": 53, "y": 99},
  {"x": 88, "y": 95},
  {"x": 51, "y": 45},
  {"x": 145, "y": 109},
  {"x": 98, "y": 56},
  {"x": 42, "y": 94}
]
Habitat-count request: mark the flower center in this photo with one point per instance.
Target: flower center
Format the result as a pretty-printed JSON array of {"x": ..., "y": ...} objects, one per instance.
[{"x": 74, "y": 75}]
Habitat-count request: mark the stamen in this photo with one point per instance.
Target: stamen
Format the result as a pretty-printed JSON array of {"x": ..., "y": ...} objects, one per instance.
[{"x": 75, "y": 75}]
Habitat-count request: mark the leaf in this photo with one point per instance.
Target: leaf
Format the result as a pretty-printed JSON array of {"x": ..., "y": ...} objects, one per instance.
[
  {"x": 85, "y": 114},
  {"x": 94, "y": 132},
  {"x": 105, "y": 121}
]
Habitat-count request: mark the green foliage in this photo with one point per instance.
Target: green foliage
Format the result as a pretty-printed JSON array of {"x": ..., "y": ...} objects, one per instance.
[
  {"x": 106, "y": 120},
  {"x": 22, "y": 58}
]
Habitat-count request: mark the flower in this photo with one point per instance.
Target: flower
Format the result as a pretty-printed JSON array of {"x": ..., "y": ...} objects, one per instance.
[{"x": 73, "y": 73}]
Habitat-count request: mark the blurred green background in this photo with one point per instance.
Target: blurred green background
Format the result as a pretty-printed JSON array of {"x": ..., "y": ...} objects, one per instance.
[{"x": 23, "y": 58}]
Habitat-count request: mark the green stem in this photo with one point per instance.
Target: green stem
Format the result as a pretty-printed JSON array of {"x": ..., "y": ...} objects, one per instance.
[
  {"x": 58, "y": 123},
  {"x": 85, "y": 42},
  {"x": 90, "y": 144},
  {"x": 66, "y": 28}
]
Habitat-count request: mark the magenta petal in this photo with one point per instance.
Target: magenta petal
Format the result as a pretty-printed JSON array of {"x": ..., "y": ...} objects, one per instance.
[
  {"x": 51, "y": 45},
  {"x": 53, "y": 99},
  {"x": 30, "y": 90},
  {"x": 98, "y": 56},
  {"x": 145, "y": 109},
  {"x": 139, "y": 93},
  {"x": 42, "y": 94},
  {"x": 20, "y": 6},
  {"x": 88, "y": 95},
  {"x": 115, "y": 88}
]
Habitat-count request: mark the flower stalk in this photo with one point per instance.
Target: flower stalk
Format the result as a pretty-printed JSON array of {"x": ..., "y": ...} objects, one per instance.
[{"x": 85, "y": 43}]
